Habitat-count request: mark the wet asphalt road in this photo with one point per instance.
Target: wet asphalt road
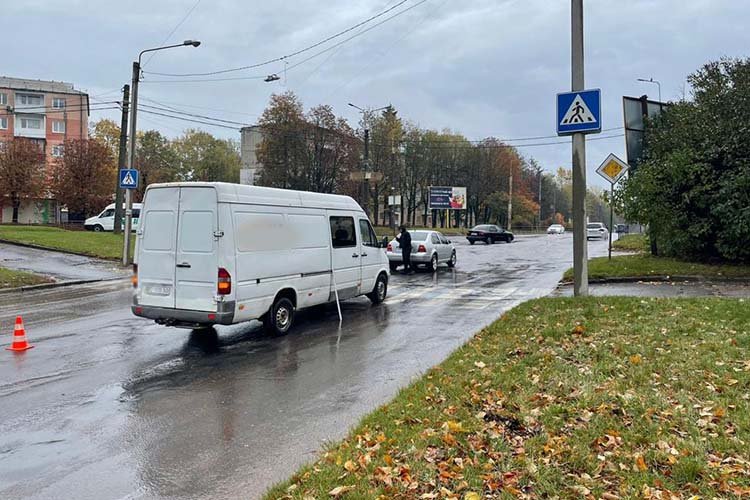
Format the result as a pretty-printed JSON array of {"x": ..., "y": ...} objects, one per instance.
[{"x": 111, "y": 406}]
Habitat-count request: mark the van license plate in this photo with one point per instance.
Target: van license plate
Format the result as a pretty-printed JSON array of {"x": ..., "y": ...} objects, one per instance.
[{"x": 159, "y": 290}]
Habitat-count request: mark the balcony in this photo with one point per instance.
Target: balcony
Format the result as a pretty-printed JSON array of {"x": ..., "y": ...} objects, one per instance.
[
  {"x": 29, "y": 103},
  {"x": 31, "y": 126}
]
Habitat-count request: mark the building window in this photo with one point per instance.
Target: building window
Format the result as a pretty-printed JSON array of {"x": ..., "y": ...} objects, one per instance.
[
  {"x": 57, "y": 151},
  {"x": 3, "y": 124},
  {"x": 3, "y": 99},
  {"x": 58, "y": 103},
  {"x": 32, "y": 123},
  {"x": 58, "y": 126}
]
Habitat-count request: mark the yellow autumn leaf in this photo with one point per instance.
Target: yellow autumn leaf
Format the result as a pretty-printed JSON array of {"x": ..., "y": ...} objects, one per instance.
[
  {"x": 636, "y": 359},
  {"x": 470, "y": 495},
  {"x": 640, "y": 463},
  {"x": 350, "y": 466},
  {"x": 340, "y": 490}
]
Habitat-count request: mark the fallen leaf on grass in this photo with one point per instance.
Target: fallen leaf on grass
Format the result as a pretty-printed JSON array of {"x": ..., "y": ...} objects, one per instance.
[
  {"x": 636, "y": 359},
  {"x": 340, "y": 490},
  {"x": 640, "y": 463},
  {"x": 472, "y": 496},
  {"x": 350, "y": 466},
  {"x": 479, "y": 364}
]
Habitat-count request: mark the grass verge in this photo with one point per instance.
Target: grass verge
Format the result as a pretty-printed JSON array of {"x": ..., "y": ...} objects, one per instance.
[
  {"x": 563, "y": 398},
  {"x": 102, "y": 245},
  {"x": 631, "y": 243},
  {"x": 645, "y": 265},
  {"x": 10, "y": 278}
]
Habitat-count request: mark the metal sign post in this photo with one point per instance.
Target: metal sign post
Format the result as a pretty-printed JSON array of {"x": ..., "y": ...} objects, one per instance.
[{"x": 128, "y": 182}]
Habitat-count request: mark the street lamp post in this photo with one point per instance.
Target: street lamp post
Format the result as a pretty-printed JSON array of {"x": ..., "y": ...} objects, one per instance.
[
  {"x": 131, "y": 155},
  {"x": 651, "y": 80},
  {"x": 366, "y": 163}
]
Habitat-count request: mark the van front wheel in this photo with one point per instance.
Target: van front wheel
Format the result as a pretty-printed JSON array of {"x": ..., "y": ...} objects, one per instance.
[{"x": 279, "y": 319}]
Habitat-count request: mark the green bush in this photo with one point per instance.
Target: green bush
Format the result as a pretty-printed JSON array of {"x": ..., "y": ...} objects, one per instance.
[{"x": 693, "y": 185}]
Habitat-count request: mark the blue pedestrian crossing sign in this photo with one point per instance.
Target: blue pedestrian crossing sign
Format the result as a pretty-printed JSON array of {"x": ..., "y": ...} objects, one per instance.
[
  {"x": 579, "y": 112},
  {"x": 128, "y": 178}
]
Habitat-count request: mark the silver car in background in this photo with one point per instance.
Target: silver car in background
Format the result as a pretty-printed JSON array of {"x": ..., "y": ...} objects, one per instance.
[
  {"x": 556, "y": 229},
  {"x": 428, "y": 248},
  {"x": 596, "y": 230}
]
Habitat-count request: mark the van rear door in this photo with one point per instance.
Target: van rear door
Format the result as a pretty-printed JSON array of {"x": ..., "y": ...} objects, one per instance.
[
  {"x": 196, "y": 258},
  {"x": 157, "y": 243}
]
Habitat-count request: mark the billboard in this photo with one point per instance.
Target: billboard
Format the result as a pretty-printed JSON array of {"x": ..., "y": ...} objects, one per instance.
[
  {"x": 634, "y": 111},
  {"x": 447, "y": 198}
]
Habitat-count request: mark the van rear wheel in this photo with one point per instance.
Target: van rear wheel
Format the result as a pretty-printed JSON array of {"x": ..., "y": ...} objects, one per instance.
[
  {"x": 280, "y": 318},
  {"x": 379, "y": 291},
  {"x": 98, "y": 228}
]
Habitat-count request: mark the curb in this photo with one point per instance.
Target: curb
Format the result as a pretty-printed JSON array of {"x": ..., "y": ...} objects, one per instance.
[
  {"x": 48, "y": 249},
  {"x": 59, "y": 284},
  {"x": 663, "y": 279}
]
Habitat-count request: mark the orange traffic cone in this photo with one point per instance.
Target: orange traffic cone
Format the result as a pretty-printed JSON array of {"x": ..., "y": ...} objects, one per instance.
[{"x": 19, "y": 337}]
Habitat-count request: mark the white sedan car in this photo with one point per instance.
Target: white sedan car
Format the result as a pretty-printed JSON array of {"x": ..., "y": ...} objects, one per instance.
[
  {"x": 428, "y": 248},
  {"x": 556, "y": 229},
  {"x": 596, "y": 230}
]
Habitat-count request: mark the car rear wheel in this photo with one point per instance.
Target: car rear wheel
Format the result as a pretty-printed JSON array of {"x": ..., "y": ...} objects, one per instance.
[
  {"x": 433, "y": 265},
  {"x": 379, "y": 291},
  {"x": 452, "y": 262},
  {"x": 98, "y": 228},
  {"x": 280, "y": 318},
  {"x": 471, "y": 242}
]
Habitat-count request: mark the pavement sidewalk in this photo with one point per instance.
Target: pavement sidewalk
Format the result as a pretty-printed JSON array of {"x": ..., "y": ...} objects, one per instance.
[
  {"x": 706, "y": 288},
  {"x": 61, "y": 267}
]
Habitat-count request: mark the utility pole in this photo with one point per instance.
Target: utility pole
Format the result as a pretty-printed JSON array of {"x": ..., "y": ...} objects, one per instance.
[
  {"x": 539, "y": 200},
  {"x": 580, "y": 250},
  {"x": 122, "y": 156},
  {"x": 366, "y": 170},
  {"x": 131, "y": 164},
  {"x": 510, "y": 196}
]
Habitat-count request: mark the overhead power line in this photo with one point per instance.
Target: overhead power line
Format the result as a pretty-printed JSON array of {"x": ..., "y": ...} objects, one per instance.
[
  {"x": 303, "y": 61},
  {"x": 166, "y": 39},
  {"x": 287, "y": 56}
]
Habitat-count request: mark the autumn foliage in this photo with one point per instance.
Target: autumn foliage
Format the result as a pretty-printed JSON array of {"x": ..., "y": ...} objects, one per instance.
[
  {"x": 22, "y": 172},
  {"x": 84, "y": 178}
]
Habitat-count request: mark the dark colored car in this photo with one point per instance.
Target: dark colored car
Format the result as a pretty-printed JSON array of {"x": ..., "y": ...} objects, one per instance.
[{"x": 489, "y": 233}]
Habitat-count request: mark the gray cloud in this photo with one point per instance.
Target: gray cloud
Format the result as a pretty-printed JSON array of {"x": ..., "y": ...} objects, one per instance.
[{"x": 483, "y": 67}]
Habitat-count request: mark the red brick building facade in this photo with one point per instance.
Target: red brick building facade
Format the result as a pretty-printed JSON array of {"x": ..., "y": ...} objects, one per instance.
[{"x": 47, "y": 112}]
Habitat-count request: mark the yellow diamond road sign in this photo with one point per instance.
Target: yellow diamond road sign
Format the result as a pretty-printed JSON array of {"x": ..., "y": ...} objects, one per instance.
[{"x": 612, "y": 169}]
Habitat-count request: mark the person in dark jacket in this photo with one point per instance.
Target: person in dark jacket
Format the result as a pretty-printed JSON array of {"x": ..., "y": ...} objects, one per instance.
[{"x": 404, "y": 240}]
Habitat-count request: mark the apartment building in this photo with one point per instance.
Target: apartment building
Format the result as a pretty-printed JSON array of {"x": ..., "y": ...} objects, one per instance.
[{"x": 46, "y": 112}]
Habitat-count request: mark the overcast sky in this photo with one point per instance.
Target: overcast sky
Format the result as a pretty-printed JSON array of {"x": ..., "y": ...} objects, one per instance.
[{"x": 479, "y": 67}]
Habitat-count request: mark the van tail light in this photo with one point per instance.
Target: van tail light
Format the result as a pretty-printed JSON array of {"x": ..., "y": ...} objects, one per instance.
[
  {"x": 134, "y": 278},
  {"x": 421, "y": 249},
  {"x": 224, "y": 284},
  {"x": 389, "y": 247}
]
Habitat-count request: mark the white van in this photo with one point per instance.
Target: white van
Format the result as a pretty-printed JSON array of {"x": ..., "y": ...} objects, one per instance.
[
  {"x": 105, "y": 221},
  {"x": 217, "y": 253}
]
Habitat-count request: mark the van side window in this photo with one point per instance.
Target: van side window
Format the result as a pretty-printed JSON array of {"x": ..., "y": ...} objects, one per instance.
[
  {"x": 108, "y": 213},
  {"x": 342, "y": 232},
  {"x": 369, "y": 238}
]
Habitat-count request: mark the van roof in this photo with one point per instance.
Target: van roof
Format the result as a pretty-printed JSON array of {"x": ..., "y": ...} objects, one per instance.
[{"x": 240, "y": 193}]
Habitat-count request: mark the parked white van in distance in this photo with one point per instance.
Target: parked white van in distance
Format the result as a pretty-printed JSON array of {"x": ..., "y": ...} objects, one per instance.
[
  {"x": 218, "y": 253},
  {"x": 105, "y": 221}
]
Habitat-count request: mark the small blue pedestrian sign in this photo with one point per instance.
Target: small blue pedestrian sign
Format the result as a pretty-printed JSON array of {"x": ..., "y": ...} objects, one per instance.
[
  {"x": 128, "y": 178},
  {"x": 579, "y": 112}
]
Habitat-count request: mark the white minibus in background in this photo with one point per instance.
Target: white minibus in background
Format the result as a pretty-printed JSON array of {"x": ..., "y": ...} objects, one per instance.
[
  {"x": 105, "y": 221},
  {"x": 218, "y": 253}
]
